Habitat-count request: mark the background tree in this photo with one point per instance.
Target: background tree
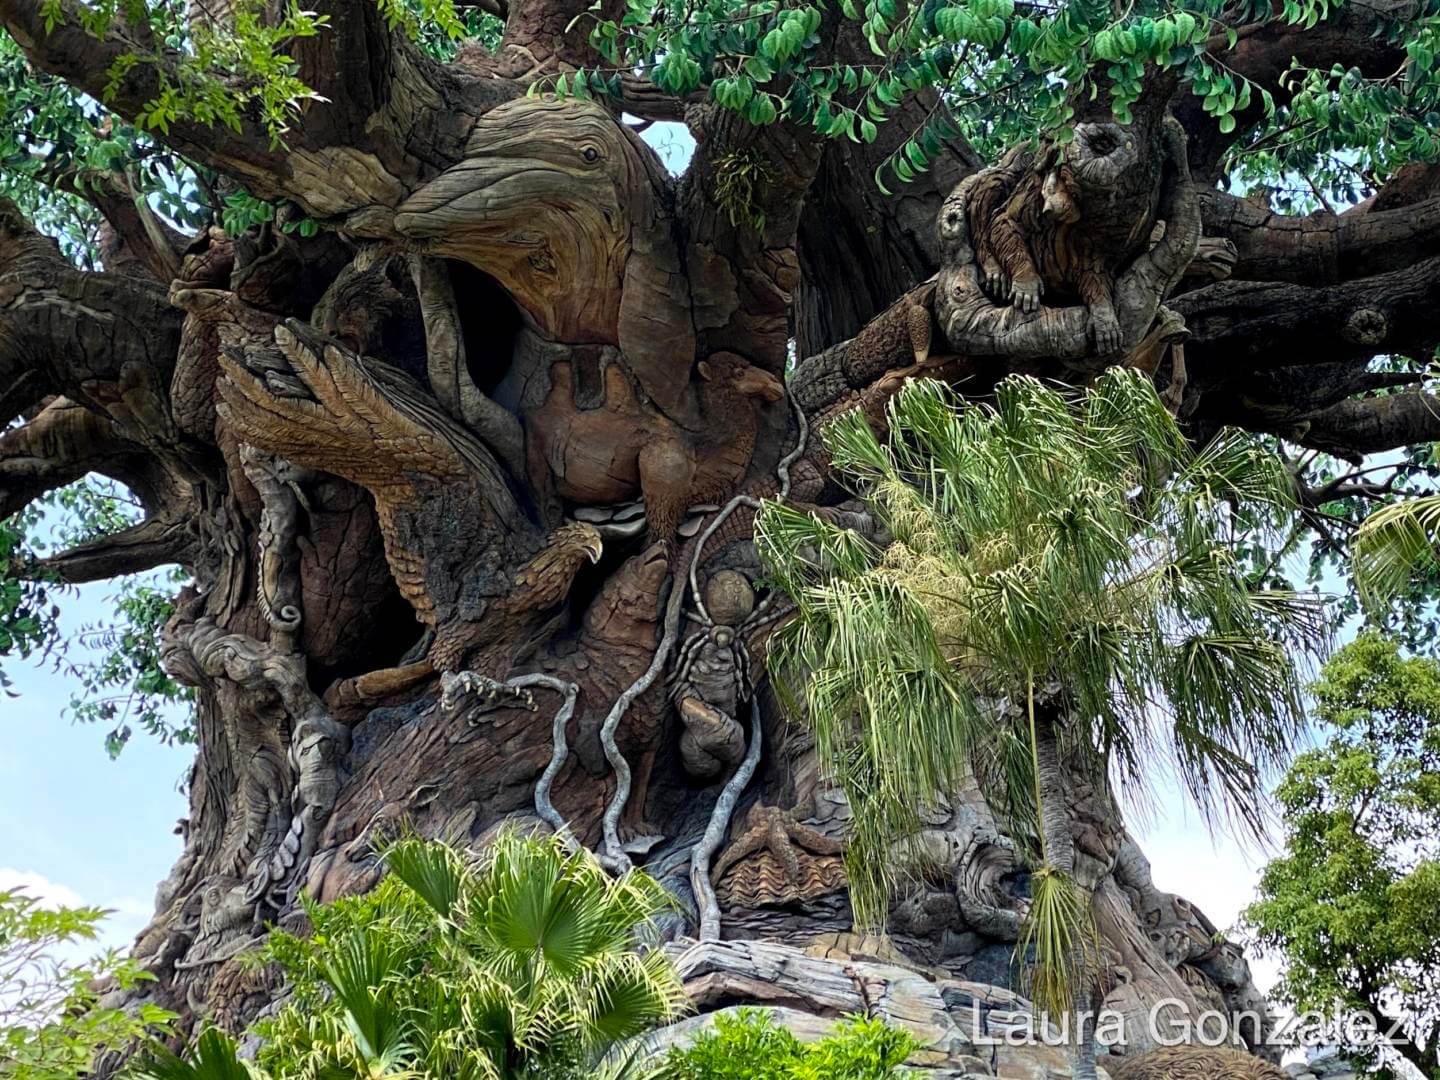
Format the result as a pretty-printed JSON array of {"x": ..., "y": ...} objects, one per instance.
[
  {"x": 382, "y": 335},
  {"x": 1351, "y": 905},
  {"x": 1061, "y": 596},
  {"x": 52, "y": 1026}
]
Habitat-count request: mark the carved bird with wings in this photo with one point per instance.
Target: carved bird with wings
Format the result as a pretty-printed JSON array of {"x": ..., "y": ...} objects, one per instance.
[{"x": 461, "y": 549}]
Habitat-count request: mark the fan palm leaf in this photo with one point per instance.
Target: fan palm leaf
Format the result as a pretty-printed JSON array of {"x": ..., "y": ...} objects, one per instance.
[
  {"x": 213, "y": 1056},
  {"x": 517, "y": 963}
]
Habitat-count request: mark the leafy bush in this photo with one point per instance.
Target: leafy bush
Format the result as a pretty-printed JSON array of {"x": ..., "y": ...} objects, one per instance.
[
  {"x": 521, "y": 965},
  {"x": 1352, "y": 903},
  {"x": 746, "y": 1045},
  {"x": 51, "y": 1022}
]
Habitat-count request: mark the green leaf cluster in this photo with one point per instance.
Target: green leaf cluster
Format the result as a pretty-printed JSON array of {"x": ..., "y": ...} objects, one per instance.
[
  {"x": 523, "y": 963},
  {"x": 439, "y": 26},
  {"x": 115, "y": 665},
  {"x": 28, "y": 612},
  {"x": 57, "y": 146},
  {"x": 52, "y": 1025},
  {"x": 1005, "y": 74},
  {"x": 1352, "y": 904},
  {"x": 747, "y": 1045}
]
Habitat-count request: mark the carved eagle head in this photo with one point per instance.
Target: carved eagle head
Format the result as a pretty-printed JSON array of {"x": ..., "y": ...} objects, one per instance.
[
  {"x": 547, "y": 194},
  {"x": 554, "y": 192},
  {"x": 545, "y": 580}
]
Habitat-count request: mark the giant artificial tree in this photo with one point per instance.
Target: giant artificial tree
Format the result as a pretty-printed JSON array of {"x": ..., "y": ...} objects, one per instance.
[{"x": 456, "y": 408}]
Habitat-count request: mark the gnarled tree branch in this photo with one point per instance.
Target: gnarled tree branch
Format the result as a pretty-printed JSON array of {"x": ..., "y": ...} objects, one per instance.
[{"x": 1322, "y": 248}]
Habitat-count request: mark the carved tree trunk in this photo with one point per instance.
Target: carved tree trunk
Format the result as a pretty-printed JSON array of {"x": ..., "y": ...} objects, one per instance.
[{"x": 466, "y": 481}]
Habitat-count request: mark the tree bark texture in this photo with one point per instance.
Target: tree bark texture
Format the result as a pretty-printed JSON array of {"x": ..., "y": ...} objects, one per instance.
[{"x": 465, "y": 482}]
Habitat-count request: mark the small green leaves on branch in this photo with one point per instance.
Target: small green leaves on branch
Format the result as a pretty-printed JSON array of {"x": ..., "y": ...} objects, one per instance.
[
  {"x": 51, "y": 1022},
  {"x": 1004, "y": 74}
]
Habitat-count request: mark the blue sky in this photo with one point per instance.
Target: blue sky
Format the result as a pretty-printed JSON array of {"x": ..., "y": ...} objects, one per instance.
[{"x": 74, "y": 825}]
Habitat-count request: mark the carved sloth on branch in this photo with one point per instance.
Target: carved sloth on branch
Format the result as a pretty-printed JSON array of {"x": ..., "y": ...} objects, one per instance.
[
  {"x": 1033, "y": 226},
  {"x": 1118, "y": 194}
]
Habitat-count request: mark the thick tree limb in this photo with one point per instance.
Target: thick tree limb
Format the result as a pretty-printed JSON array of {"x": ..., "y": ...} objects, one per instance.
[
  {"x": 60, "y": 445},
  {"x": 1372, "y": 425},
  {"x": 545, "y": 37},
  {"x": 1239, "y": 327},
  {"x": 1322, "y": 248},
  {"x": 1411, "y": 184},
  {"x": 65, "y": 331},
  {"x": 154, "y": 542},
  {"x": 392, "y": 116}
]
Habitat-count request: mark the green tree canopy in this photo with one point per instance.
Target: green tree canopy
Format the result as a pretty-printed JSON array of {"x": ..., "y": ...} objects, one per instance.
[{"x": 1353, "y": 903}]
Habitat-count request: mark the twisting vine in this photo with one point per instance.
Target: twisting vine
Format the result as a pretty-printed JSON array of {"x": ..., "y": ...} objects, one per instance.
[
  {"x": 701, "y": 854},
  {"x": 613, "y": 855}
]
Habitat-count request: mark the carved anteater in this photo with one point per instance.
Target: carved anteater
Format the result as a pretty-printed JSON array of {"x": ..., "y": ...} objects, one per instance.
[{"x": 1193, "y": 1063}]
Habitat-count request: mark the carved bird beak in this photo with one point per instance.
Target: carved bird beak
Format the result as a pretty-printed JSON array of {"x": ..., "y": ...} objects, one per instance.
[{"x": 595, "y": 547}]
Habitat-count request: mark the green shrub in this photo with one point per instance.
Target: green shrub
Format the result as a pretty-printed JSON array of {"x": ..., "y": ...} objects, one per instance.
[
  {"x": 52, "y": 1025},
  {"x": 746, "y": 1045},
  {"x": 521, "y": 966}
]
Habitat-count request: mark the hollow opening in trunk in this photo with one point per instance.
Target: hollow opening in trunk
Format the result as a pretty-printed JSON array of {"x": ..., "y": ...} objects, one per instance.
[{"x": 489, "y": 322}]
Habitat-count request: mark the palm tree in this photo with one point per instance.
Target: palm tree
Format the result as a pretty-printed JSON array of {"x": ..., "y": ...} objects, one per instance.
[
  {"x": 1393, "y": 546},
  {"x": 523, "y": 964},
  {"x": 1064, "y": 559}
]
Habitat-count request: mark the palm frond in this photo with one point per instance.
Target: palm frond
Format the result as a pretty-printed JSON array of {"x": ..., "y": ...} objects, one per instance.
[
  {"x": 1059, "y": 941},
  {"x": 433, "y": 871},
  {"x": 1071, "y": 538},
  {"x": 359, "y": 971},
  {"x": 1393, "y": 546},
  {"x": 631, "y": 994},
  {"x": 213, "y": 1056}
]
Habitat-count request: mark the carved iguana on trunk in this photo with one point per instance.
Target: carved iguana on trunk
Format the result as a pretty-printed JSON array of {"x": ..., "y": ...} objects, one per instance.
[{"x": 898, "y": 337}]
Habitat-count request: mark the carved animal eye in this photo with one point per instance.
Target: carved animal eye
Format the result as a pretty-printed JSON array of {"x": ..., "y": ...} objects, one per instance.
[{"x": 590, "y": 154}]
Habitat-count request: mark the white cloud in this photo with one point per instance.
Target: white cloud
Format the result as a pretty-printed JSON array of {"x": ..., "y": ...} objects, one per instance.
[
  {"x": 50, "y": 893},
  {"x": 127, "y": 915}
]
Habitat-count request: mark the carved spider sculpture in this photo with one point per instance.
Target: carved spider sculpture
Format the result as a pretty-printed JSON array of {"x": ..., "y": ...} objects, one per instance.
[{"x": 712, "y": 678}]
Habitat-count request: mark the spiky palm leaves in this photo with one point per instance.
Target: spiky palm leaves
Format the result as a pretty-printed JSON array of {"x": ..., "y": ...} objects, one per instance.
[
  {"x": 1393, "y": 546},
  {"x": 521, "y": 965},
  {"x": 1071, "y": 548}
]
